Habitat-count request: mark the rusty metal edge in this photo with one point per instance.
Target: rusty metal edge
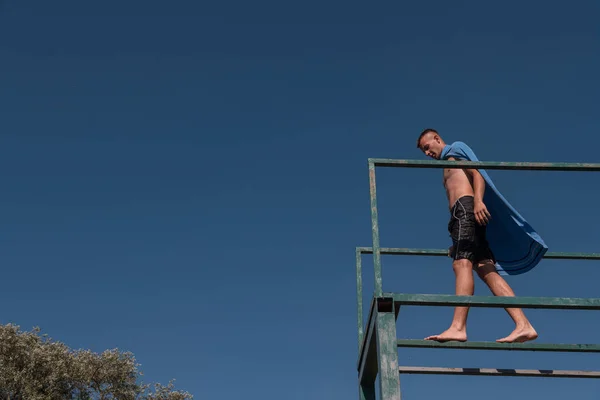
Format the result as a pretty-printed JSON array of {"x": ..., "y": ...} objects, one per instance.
[{"x": 499, "y": 372}]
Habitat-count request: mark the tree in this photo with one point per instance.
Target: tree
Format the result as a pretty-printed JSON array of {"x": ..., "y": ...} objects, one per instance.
[{"x": 35, "y": 367}]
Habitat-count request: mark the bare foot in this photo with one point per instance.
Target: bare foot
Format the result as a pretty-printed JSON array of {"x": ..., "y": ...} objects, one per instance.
[
  {"x": 449, "y": 335},
  {"x": 520, "y": 335}
]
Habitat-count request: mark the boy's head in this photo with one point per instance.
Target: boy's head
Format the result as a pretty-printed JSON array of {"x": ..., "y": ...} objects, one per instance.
[{"x": 430, "y": 143}]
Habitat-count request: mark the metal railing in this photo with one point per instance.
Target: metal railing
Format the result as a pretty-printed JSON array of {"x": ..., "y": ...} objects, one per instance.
[{"x": 377, "y": 343}]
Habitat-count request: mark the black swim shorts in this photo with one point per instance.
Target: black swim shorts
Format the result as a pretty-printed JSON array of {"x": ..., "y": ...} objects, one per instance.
[{"x": 468, "y": 237}]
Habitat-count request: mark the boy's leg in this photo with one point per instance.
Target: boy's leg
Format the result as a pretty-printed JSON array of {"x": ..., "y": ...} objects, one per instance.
[
  {"x": 524, "y": 330},
  {"x": 462, "y": 231},
  {"x": 463, "y": 270}
]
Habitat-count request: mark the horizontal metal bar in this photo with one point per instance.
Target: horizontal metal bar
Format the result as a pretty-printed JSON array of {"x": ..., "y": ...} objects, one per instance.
[
  {"x": 542, "y": 373},
  {"x": 569, "y": 348},
  {"x": 404, "y": 251},
  {"x": 564, "y": 303},
  {"x": 444, "y": 253},
  {"x": 544, "y": 166}
]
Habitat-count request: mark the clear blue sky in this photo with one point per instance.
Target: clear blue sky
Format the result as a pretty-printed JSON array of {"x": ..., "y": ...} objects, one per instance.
[{"x": 188, "y": 181}]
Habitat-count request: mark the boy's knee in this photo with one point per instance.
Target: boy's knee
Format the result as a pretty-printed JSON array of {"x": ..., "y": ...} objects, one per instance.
[
  {"x": 462, "y": 265},
  {"x": 485, "y": 268}
]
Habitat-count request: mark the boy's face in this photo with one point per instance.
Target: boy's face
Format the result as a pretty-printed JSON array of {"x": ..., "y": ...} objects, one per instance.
[{"x": 431, "y": 145}]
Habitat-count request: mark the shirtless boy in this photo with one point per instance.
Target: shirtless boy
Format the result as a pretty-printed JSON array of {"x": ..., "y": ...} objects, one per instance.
[{"x": 470, "y": 249}]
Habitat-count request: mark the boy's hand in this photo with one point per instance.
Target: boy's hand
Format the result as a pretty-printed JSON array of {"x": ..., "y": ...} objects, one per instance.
[{"x": 482, "y": 215}]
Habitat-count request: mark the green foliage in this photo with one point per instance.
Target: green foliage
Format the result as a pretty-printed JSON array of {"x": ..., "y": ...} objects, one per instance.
[{"x": 34, "y": 367}]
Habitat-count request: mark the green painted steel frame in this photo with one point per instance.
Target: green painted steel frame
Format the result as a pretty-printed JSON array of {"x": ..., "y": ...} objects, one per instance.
[
  {"x": 383, "y": 162},
  {"x": 377, "y": 347},
  {"x": 433, "y": 253},
  {"x": 379, "y": 355},
  {"x": 378, "y": 350}
]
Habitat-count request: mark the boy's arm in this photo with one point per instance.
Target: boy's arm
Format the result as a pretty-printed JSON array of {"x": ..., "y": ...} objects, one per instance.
[
  {"x": 478, "y": 184},
  {"x": 482, "y": 214}
]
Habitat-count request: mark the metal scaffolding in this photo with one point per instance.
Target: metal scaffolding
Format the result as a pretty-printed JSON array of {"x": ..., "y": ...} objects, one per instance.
[{"x": 377, "y": 341}]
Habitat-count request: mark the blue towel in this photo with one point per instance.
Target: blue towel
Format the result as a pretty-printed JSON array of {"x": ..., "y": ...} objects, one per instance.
[{"x": 515, "y": 244}]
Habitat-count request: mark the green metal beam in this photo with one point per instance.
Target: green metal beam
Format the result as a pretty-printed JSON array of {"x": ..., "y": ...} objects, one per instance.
[
  {"x": 569, "y": 348},
  {"x": 359, "y": 299},
  {"x": 366, "y": 364},
  {"x": 444, "y": 253},
  {"x": 364, "y": 349},
  {"x": 375, "y": 230},
  {"x": 563, "y": 303},
  {"x": 387, "y": 356},
  {"x": 430, "y": 252},
  {"x": 540, "y": 166},
  {"x": 544, "y": 373}
]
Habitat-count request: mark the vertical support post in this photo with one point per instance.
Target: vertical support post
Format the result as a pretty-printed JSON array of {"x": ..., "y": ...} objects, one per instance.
[
  {"x": 387, "y": 351},
  {"x": 359, "y": 299},
  {"x": 367, "y": 362},
  {"x": 375, "y": 229}
]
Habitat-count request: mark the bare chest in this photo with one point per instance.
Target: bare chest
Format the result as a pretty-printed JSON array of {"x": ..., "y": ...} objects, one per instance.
[{"x": 454, "y": 176}]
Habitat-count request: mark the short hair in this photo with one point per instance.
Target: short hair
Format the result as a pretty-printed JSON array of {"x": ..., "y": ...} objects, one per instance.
[{"x": 425, "y": 132}]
